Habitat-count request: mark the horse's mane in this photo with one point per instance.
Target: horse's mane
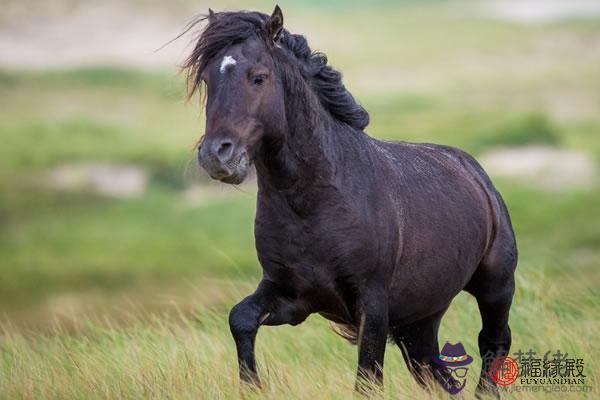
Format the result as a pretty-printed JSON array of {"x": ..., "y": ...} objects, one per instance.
[{"x": 227, "y": 28}]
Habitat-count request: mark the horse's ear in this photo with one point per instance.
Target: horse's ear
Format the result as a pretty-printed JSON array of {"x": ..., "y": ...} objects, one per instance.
[
  {"x": 274, "y": 25},
  {"x": 211, "y": 15}
]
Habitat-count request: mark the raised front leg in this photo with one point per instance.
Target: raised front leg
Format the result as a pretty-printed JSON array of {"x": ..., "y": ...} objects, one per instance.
[
  {"x": 266, "y": 306},
  {"x": 372, "y": 339}
]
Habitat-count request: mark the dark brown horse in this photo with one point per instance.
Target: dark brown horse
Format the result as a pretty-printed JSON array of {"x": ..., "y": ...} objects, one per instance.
[{"x": 376, "y": 236}]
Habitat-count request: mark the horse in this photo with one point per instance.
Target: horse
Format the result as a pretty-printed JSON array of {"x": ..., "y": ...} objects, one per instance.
[{"x": 375, "y": 236}]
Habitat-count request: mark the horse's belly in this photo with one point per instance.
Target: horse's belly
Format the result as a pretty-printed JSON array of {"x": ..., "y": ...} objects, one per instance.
[
  {"x": 412, "y": 301},
  {"x": 432, "y": 272}
]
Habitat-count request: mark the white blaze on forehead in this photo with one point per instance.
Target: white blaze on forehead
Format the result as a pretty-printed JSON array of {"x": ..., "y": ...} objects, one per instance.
[{"x": 227, "y": 61}]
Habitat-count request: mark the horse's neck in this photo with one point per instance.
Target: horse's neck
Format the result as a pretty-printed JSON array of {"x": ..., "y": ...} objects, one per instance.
[{"x": 308, "y": 157}]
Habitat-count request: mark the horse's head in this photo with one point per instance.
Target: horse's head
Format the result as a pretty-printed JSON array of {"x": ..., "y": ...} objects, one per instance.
[{"x": 244, "y": 96}]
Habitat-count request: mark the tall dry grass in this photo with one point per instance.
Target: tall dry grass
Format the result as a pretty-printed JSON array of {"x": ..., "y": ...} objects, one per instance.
[{"x": 179, "y": 356}]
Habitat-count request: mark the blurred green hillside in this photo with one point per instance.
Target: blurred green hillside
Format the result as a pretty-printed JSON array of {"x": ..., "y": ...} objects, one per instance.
[{"x": 434, "y": 71}]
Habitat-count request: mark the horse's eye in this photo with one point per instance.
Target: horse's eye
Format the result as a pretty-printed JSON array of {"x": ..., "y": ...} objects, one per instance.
[{"x": 259, "y": 79}]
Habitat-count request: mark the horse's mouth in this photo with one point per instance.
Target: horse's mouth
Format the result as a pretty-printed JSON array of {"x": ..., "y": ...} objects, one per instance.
[
  {"x": 235, "y": 170},
  {"x": 234, "y": 179}
]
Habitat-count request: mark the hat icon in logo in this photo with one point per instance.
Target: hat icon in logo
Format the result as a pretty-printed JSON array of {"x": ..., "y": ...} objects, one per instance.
[
  {"x": 452, "y": 371},
  {"x": 453, "y": 355}
]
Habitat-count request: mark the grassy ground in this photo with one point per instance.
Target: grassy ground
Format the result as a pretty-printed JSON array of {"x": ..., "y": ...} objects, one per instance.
[{"x": 107, "y": 297}]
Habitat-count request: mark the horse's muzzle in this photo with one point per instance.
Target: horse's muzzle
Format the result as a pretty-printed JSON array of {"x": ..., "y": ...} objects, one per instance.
[{"x": 223, "y": 161}]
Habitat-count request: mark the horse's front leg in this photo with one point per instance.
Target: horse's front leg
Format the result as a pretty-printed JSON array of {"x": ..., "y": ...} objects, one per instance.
[
  {"x": 266, "y": 306},
  {"x": 372, "y": 340}
]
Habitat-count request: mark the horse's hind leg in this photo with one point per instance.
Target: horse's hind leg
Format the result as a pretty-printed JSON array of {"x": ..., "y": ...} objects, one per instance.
[
  {"x": 493, "y": 286},
  {"x": 419, "y": 344}
]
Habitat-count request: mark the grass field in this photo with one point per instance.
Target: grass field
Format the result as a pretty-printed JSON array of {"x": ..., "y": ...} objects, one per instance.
[{"x": 110, "y": 297}]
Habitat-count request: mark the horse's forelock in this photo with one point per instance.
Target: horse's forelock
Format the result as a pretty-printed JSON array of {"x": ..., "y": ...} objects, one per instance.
[
  {"x": 222, "y": 30},
  {"x": 226, "y": 28}
]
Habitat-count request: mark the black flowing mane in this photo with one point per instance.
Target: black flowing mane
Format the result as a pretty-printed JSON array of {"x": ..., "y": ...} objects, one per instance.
[{"x": 227, "y": 28}]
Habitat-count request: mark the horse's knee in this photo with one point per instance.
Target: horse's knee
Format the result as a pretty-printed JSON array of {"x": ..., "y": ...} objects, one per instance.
[{"x": 243, "y": 319}]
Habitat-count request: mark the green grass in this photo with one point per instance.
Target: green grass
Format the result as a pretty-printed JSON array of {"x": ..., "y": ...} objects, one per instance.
[
  {"x": 105, "y": 297},
  {"x": 527, "y": 130}
]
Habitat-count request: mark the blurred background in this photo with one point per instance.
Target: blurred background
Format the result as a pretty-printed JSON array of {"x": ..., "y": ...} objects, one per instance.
[{"x": 103, "y": 210}]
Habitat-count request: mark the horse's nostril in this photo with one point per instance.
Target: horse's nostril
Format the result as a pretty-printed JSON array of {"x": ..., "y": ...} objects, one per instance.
[{"x": 224, "y": 150}]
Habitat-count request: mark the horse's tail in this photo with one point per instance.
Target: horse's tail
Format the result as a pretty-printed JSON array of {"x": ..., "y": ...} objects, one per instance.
[{"x": 347, "y": 331}]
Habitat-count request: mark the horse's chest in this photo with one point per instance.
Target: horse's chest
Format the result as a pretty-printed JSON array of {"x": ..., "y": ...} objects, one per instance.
[
  {"x": 306, "y": 253},
  {"x": 292, "y": 256},
  {"x": 285, "y": 247}
]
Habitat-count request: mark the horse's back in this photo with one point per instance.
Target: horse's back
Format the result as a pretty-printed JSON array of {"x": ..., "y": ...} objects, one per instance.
[{"x": 434, "y": 164}]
